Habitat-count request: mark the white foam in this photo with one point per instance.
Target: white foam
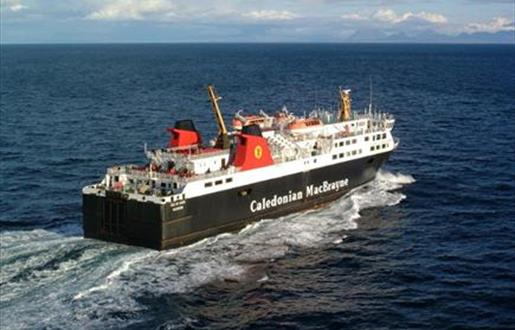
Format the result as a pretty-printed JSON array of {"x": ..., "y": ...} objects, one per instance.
[
  {"x": 339, "y": 240},
  {"x": 112, "y": 276},
  {"x": 263, "y": 279},
  {"x": 125, "y": 266}
]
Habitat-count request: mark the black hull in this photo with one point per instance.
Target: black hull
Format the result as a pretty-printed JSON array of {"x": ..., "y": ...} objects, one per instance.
[{"x": 115, "y": 219}]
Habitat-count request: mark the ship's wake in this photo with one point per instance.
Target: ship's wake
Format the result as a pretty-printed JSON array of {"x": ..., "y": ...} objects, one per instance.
[{"x": 50, "y": 278}]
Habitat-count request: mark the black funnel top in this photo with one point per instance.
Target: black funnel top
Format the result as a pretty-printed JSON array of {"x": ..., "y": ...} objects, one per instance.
[
  {"x": 186, "y": 124},
  {"x": 251, "y": 130}
]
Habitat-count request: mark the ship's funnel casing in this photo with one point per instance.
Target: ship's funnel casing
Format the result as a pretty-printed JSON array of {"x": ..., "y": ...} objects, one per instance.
[
  {"x": 252, "y": 149},
  {"x": 183, "y": 134}
]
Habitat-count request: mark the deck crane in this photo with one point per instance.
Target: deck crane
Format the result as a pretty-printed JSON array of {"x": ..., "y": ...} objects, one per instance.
[{"x": 222, "y": 140}]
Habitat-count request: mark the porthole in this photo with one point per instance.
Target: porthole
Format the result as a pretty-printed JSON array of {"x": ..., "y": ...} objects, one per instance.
[{"x": 244, "y": 192}]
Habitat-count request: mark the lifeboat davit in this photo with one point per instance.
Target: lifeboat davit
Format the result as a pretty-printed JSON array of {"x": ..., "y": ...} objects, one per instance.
[{"x": 240, "y": 121}]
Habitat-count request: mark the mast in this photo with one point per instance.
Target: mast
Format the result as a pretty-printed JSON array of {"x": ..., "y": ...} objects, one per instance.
[
  {"x": 345, "y": 106},
  {"x": 370, "y": 90},
  {"x": 222, "y": 140}
]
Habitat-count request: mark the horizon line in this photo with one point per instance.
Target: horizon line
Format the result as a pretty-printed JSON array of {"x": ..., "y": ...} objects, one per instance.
[{"x": 255, "y": 42}]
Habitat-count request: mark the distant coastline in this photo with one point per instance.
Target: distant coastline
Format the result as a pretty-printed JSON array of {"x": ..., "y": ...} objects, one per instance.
[{"x": 400, "y": 43}]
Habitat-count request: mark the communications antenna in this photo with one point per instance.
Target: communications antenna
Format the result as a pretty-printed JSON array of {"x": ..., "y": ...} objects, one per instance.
[{"x": 371, "y": 93}]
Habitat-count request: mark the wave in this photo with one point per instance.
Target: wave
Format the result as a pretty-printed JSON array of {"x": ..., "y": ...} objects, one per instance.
[{"x": 72, "y": 276}]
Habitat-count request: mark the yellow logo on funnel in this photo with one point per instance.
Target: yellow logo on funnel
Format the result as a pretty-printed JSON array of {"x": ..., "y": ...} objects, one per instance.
[{"x": 258, "y": 152}]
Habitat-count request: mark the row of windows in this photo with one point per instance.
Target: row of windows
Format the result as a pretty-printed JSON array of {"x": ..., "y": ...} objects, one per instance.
[
  {"x": 168, "y": 185},
  {"x": 379, "y": 146},
  {"x": 217, "y": 182},
  {"x": 347, "y": 154},
  {"x": 175, "y": 198},
  {"x": 152, "y": 183},
  {"x": 367, "y": 138},
  {"x": 376, "y": 137},
  {"x": 348, "y": 142}
]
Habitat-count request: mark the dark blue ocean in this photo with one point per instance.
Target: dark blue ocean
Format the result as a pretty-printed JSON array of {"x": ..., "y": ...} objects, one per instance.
[{"x": 430, "y": 244}]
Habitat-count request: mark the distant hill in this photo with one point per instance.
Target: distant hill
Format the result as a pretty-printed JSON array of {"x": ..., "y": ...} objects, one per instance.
[{"x": 502, "y": 37}]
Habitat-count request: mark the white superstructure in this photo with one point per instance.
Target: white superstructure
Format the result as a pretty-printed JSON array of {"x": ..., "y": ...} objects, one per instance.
[{"x": 294, "y": 147}]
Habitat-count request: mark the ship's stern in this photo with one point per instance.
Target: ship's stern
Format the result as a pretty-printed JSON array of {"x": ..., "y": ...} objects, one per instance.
[{"x": 111, "y": 216}]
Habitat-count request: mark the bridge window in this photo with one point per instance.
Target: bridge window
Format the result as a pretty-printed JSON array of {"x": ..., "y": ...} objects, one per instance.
[{"x": 218, "y": 182}]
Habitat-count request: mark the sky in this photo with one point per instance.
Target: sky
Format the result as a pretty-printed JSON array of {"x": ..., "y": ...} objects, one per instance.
[{"x": 119, "y": 21}]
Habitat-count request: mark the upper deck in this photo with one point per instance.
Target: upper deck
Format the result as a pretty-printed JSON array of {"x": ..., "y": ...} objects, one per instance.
[
  {"x": 281, "y": 139},
  {"x": 170, "y": 169}
]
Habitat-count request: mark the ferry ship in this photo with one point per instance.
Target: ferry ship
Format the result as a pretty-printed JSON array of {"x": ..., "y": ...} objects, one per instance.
[{"x": 265, "y": 167}]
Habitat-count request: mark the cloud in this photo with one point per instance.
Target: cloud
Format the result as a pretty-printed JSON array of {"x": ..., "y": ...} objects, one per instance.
[
  {"x": 130, "y": 10},
  {"x": 390, "y": 16},
  {"x": 270, "y": 15},
  {"x": 497, "y": 24},
  {"x": 354, "y": 17},
  {"x": 236, "y": 20},
  {"x": 13, "y": 5}
]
